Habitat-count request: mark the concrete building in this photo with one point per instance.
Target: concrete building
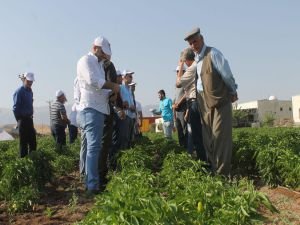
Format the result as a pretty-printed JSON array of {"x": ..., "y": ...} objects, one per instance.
[
  {"x": 296, "y": 109},
  {"x": 259, "y": 110}
]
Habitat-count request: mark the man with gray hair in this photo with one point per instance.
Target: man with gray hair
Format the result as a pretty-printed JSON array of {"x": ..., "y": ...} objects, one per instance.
[
  {"x": 187, "y": 80},
  {"x": 216, "y": 90}
]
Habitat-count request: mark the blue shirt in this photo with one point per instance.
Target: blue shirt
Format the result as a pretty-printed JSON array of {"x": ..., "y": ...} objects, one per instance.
[
  {"x": 126, "y": 95},
  {"x": 220, "y": 64},
  {"x": 165, "y": 109},
  {"x": 23, "y": 102}
]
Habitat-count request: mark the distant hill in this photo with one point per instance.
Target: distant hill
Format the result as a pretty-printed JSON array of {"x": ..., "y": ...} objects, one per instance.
[
  {"x": 41, "y": 114},
  {"x": 146, "y": 109}
]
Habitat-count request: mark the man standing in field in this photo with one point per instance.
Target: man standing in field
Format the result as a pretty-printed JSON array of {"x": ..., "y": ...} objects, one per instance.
[
  {"x": 59, "y": 120},
  {"x": 216, "y": 89},
  {"x": 126, "y": 125},
  {"x": 94, "y": 98},
  {"x": 23, "y": 111},
  {"x": 187, "y": 80},
  {"x": 166, "y": 112},
  {"x": 179, "y": 109}
]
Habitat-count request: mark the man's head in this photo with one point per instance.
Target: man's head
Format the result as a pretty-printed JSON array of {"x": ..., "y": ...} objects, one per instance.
[
  {"x": 195, "y": 39},
  {"x": 101, "y": 48},
  {"x": 60, "y": 96},
  {"x": 119, "y": 77},
  {"x": 127, "y": 76},
  {"x": 161, "y": 94},
  {"x": 188, "y": 56},
  {"x": 27, "y": 79}
]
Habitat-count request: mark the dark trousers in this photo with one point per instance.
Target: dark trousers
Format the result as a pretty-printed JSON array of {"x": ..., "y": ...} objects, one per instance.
[
  {"x": 59, "y": 135},
  {"x": 106, "y": 145},
  {"x": 73, "y": 132},
  {"x": 27, "y": 136},
  {"x": 116, "y": 143},
  {"x": 126, "y": 129},
  {"x": 196, "y": 127},
  {"x": 181, "y": 128}
]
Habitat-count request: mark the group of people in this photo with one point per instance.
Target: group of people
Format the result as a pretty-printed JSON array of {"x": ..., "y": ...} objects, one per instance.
[
  {"x": 109, "y": 116},
  {"x": 202, "y": 108},
  {"x": 105, "y": 110}
]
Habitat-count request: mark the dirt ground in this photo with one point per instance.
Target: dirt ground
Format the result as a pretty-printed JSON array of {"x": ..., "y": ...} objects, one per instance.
[
  {"x": 65, "y": 202},
  {"x": 288, "y": 204}
]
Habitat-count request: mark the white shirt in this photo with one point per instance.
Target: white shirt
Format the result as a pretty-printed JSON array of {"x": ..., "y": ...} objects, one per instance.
[
  {"x": 138, "y": 106},
  {"x": 73, "y": 115},
  {"x": 91, "y": 78}
]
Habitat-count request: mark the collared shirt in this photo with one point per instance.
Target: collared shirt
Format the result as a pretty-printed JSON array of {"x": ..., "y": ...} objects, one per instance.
[
  {"x": 220, "y": 64},
  {"x": 126, "y": 95},
  {"x": 23, "y": 102},
  {"x": 187, "y": 81},
  {"x": 165, "y": 109},
  {"x": 91, "y": 78}
]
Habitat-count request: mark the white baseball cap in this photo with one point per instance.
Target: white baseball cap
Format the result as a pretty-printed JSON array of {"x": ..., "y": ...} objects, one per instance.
[
  {"x": 104, "y": 44},
  {"x": 29, "y": 76},
  {"x": 127, "y": 71},
  {"x": 118, "y": 73},
  {"x": 132, "y": 84},
  {"x": 59, "y": 93}
]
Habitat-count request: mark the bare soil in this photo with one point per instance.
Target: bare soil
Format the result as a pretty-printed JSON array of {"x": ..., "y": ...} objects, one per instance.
[
  {"x": 65, "y": 202},
  {"x": 288, "y": 204}
]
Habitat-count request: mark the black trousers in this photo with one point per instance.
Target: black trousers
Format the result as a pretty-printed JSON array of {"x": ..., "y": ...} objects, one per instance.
[
  {"x": 196, "y": 127},
  {"x": 59, "y": 135},
  {"x": 27, "y": 136},
  {"x": 73, "y": 132},
  {"x": 181, "y": 127},
  {"x": 106, "y": 145}
]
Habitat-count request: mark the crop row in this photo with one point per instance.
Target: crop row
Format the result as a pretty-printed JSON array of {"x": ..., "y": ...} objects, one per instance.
[
  {"x": 23, "y": 179},
  {"x": 158, "y": 183},
  {"x": 273, "y": 154}
]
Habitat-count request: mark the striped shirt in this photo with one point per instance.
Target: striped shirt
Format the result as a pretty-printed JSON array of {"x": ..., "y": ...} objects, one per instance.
[{"x": 57, "y": 110}]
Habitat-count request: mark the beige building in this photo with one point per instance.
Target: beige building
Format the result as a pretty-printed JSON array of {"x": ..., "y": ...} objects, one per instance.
[
  {"x": 296, "y": 109},
  {"x": 259, "y": 110}
]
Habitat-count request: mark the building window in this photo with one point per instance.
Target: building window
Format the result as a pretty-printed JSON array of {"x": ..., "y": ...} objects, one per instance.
[
  {"x": 280, "y": 108},
  {"x": 290, "y": 108}
]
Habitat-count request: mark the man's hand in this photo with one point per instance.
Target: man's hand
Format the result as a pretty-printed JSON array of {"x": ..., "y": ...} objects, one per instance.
[{"x": 113, "y": 97}]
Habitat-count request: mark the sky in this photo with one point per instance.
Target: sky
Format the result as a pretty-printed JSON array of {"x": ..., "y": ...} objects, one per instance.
[{"x": 260, "y": 39}]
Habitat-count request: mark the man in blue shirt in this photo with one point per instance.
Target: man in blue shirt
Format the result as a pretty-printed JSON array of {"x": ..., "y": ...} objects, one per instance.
[
  {"x": 166, "y": 112},
  {"x": 23, "y": 111}
]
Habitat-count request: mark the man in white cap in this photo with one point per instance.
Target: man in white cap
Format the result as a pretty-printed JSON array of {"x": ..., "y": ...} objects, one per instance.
[
  {"x": 216, "y": 91},
  {"x": 23, "y": 111},
  {"x": 94, "y": 98},
  {"x": 59, "y": 120},
  {"x": 126, "y": 125}
]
